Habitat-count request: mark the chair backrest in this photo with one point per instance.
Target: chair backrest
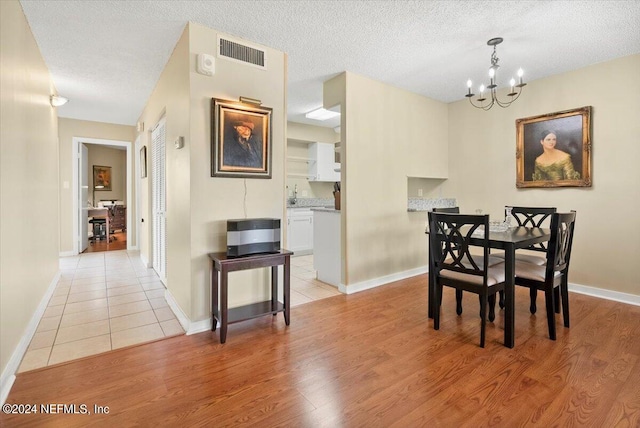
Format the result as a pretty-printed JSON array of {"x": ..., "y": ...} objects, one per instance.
[
  {"x": 450, "y": 210},
  {"x": 533, "y": 217},
  {"x": 559, "y": 254},
  {"x": 450, "y": 239}
]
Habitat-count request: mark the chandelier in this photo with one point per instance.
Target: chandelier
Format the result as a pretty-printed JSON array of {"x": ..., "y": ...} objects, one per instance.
[{"x": 513, "y": 95}]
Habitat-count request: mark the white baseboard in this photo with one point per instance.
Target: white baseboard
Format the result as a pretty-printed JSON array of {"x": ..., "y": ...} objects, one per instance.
[
  {"x": 617, "y": 296},
  {"x": 199, "y": 327},
  {"x": 67, "y": 253},
  {"x": 377, "y": 282},
  {"x": 177, "y": 310},
  {"x": 189, "y": 326},
  {"x": 9, "y": 372},
  {"x": 144, "y": 261},
  {"x": 631, "y": 299}
]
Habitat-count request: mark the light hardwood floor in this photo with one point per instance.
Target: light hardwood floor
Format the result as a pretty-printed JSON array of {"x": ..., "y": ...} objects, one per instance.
[{"x": 370, "y": 359}]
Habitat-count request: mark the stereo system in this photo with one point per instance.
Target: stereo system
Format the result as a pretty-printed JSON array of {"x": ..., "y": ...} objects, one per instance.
[{"x": 253, "y": 236}]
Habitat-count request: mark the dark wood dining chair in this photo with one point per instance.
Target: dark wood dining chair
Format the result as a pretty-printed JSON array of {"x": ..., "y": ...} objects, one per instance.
[
  {"x": 455, "y": 266},
  {"x": 451, "y": 210},
  {"x": 552, "y": 278},
  {"x": 533, "y": 217},
  {"x": 530, "y": 217}
]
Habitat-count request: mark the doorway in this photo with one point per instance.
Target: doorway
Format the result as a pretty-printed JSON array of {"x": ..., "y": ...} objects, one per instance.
[{"x": 80, "y": 190}]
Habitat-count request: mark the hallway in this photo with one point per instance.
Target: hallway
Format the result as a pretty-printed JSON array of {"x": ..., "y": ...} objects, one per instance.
[{"x": 103, "y": 301}]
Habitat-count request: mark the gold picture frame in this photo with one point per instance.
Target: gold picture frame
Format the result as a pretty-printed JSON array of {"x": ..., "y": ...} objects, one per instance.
[
  {"x": 554, "y": 149},
  {"x": 240, "y": 140},
  {"x": 101, "y": 177}
]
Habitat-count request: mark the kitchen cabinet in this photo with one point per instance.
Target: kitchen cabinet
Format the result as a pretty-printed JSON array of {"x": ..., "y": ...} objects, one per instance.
[
  {"x": 300, "y": 230},
  {"x": 322, "y": 164},
  {"x": 327, "y": 255}
]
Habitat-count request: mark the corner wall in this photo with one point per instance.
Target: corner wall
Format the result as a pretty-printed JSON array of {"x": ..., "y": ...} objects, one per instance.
[
  {"x": 216, "y": 199},
  {"x": 482, "y": 166},
  {"x": 399, "y": 135}
]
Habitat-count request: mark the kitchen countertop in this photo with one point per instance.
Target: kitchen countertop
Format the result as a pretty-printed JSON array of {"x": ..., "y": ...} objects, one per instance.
[{"x": 326, "y": 209}]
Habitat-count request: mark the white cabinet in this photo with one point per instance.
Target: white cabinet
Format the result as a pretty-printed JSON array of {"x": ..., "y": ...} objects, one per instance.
[
  {"x": 300, "y": 230},
  {"x": 322, "y": 164}
]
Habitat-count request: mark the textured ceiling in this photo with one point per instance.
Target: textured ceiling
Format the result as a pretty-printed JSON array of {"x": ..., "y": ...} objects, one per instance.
[{"x": 106, "y": 56}]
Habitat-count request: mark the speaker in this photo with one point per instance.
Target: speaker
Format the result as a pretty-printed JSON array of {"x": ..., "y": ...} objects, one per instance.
[
  {"x": 205, "y": 64},
  {"x": 253, "y": 236}
]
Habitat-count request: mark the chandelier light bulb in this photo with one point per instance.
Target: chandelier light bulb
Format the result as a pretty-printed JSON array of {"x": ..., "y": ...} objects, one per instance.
[
  {"x": 512, "y": 82},
  {"x": 469, "y": 83},
  {"x": 481, "y": 88},
  {"x": 492, "y": 72},
  {"x": 520, "y": 72}
]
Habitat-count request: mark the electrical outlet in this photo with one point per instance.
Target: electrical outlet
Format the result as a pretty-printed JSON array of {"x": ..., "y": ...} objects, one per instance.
[
  {"x": 419, "y": 192},
  {"x": 304, "y": 194}
]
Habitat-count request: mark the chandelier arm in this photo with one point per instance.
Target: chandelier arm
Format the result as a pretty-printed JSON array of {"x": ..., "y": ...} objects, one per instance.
[
  {"x": 483, "y": 107},
  {"x": 505, "y": 104}
]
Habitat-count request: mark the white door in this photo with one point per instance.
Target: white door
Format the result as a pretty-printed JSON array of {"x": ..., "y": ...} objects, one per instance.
[
  {"x": 158, "y": 195},
  {"x": 83, "y": 201}
]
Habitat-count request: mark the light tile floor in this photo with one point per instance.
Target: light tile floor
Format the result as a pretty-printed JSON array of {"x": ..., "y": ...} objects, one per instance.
[
  {"x": 103, "y": 301},
  {"x": 109, "y": 300},
  {"x": 305, "y": 287}
]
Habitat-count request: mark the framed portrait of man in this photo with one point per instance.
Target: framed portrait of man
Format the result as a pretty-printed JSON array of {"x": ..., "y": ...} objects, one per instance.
[
  {"x": 241, "y": 139},
  {"x": 554, "y": 149}
]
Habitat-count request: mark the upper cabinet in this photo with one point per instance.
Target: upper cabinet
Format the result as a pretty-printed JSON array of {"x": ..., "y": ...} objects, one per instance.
[{"x": 322, "y": 164}]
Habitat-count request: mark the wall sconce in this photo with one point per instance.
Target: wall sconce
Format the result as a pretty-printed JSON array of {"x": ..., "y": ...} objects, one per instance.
[{"x": 57, "y": 100}]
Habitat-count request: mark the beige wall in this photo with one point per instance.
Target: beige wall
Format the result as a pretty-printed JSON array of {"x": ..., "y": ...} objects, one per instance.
[
  {"x": 28, "y": 180},
  {"x": 115, "y": 158},
  {"x": 482, "y": 166},
  {"x": 382, "y": 144},
  {"x": 68, "y": 129},
  {"x": 170, "y": 99},
  {"x": 198, "y": 205},
  {"x": 298, "y": 138}
]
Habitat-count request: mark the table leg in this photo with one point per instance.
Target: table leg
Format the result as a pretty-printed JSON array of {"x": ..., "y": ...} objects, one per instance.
[
  {"x": 274, "y": 289},
  {"x": 223, "y": 303},
  {"x": 509, "y": 292},
  {"x": 287, "y": 289},
  {"x": 214, "y": 297},
  {"x": 431, "y": 290}
]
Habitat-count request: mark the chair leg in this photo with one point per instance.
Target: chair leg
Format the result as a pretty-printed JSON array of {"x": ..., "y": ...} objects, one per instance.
[
  {"x": 501, "y": 301},
  {"x": 556, "y": 299},
  {"x": 564, "y": 289},
  {"x": 437, "y": 302},
  {"x": 459, "y": 302},
  {"x": 483, "y": 320},
  {"x": 533, "y": 295},
  {"x": 492, "y": 307},
  {"x": 551, "y": 316}
]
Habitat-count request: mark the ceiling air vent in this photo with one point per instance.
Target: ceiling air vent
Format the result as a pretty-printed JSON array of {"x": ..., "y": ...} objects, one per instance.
[{"x": 235, "y": 51}]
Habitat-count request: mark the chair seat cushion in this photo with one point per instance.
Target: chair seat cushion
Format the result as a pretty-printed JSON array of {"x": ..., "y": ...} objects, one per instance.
[
  {"x": 531, "y": 271},
  {"x": 495, "y": 275}
]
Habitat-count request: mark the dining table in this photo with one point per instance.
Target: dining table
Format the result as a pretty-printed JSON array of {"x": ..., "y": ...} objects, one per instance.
[{"x": 510, "y": 240}]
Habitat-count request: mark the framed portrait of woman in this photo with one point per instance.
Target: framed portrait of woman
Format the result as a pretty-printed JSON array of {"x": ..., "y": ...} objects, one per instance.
[{"x": 554, "y": 149}]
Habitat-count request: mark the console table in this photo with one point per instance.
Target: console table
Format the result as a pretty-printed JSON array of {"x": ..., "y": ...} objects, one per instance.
[{"x": 221, "y": 265}]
